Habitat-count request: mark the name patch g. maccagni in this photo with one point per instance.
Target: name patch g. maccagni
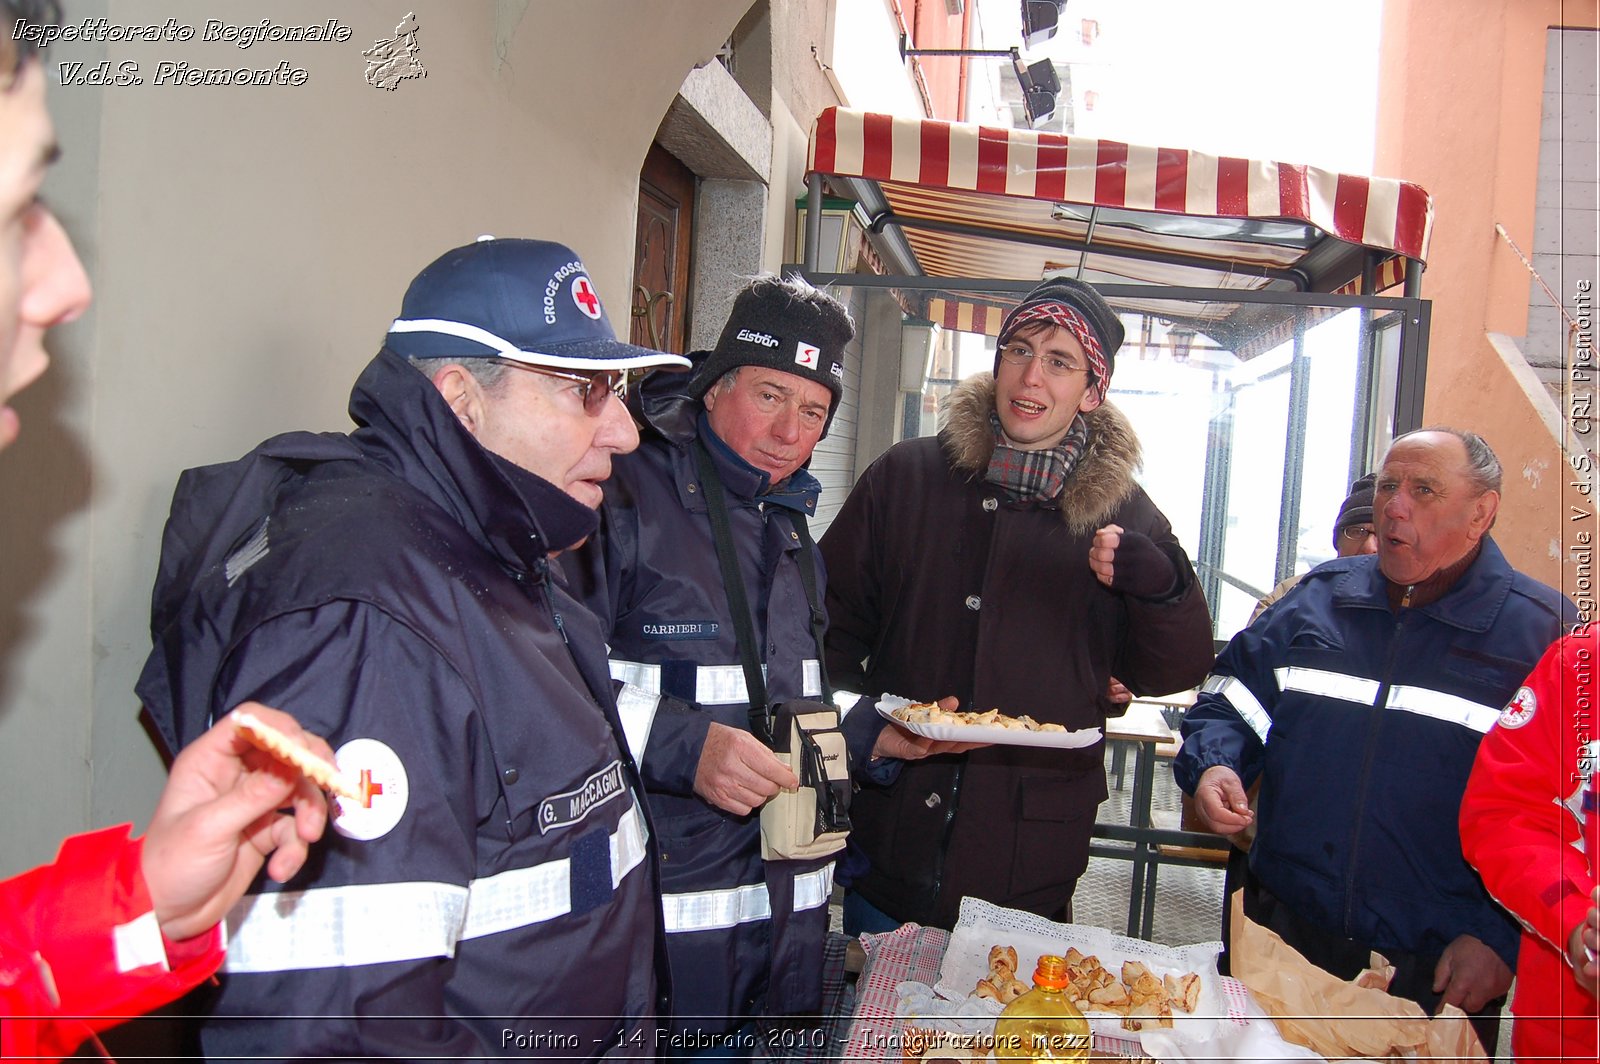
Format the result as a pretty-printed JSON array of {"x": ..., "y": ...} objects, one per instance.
[{"x": 559, "y": 810}]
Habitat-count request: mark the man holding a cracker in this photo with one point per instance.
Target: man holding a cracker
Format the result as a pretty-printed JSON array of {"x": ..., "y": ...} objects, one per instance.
[
  {"x": 493, "y": 887},
  {"x": 115, "y": 927}
]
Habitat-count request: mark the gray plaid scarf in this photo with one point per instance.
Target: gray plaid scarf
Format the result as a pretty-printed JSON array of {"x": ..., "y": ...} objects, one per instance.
[{"x": 1035, "y": 476}]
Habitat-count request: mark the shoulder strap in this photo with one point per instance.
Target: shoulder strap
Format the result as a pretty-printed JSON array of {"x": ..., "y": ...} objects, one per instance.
[
  {"x": 733, "y": 584},
  {"x": 819, "y": 620}
]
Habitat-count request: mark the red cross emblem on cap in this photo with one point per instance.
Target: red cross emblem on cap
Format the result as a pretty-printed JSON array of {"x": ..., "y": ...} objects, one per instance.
[{"x": 583, "y": 295}]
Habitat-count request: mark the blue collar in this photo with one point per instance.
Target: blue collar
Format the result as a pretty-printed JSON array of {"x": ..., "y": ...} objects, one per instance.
[
  {"x": 1472, "y": 603},
  {"x": 798, "y": 491}
]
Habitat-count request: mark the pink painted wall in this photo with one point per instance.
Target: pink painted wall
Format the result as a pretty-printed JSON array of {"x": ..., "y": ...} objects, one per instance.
[{"x": 1459, "y": 113}]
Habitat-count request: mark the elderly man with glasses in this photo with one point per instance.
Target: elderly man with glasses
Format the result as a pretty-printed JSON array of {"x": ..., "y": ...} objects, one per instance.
[
  {"x": 494, "y": 889},
  {"x": 1012, "y": 562}
]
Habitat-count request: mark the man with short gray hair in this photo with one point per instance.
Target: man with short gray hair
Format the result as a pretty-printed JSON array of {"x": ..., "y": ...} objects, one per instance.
[{"x": 1360, "y": 701}]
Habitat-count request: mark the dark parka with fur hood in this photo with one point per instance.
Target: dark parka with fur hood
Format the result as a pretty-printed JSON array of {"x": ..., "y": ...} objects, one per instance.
[{"x": 940, "y": 585}]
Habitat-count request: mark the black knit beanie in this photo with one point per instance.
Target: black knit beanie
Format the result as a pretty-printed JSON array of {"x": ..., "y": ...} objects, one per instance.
[
  {"x": 1357, "y": 506},
  {"x": 775, "y": 325},
  {"x": 1088, "y": 303}
]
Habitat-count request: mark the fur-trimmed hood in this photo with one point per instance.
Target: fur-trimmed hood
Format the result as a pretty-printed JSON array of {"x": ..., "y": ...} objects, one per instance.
[{"x": 1102, "y": 480}]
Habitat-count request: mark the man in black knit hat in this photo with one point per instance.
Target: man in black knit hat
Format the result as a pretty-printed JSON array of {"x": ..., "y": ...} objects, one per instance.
[
  {"x": 1013, "y": 563},
  {"x": 745, "y": 934}
]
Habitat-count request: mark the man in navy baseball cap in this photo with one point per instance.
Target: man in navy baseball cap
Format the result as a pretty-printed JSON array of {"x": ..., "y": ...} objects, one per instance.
[
  {"x": 392, "y": 587},
  {"x": 530, "y": 301},
  {"x": 479, "y": 311}
]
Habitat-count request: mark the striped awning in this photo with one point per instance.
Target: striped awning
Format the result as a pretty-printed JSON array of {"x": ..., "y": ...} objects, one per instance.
[{"x": 968, "y": 201}]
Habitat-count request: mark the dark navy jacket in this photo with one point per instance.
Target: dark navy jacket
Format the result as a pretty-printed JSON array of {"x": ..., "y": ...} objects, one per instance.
[
  {"x": 745, "y": 937},
  {"x": 1363, "y": 723},
  {"x": 391, "y": 590}
]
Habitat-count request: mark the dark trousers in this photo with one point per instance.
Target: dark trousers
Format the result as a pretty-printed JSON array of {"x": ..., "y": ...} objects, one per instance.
[{"x": 1346, "y": 958}]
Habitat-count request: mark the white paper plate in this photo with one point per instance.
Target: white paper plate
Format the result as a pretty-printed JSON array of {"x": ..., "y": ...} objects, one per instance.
[{"x": 989, "y": 733}]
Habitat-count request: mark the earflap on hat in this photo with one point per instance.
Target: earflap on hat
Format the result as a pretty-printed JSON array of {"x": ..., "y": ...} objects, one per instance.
[{"x": 784, "y": 325}]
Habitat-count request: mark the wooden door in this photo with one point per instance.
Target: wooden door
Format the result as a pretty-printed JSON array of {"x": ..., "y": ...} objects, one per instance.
[{"x": 660, "y": 303}]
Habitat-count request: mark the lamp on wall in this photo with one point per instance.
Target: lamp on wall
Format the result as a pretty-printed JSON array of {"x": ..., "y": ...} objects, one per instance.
[
  {"x": 1040, "y": 87},
  {"x": 1181, "y": 337},
  {"x": 1040, "y": 82},
  {"x": 918, "y": 337},
  {"x": 1040, "y": 20},
  {"x": 842, "y": 230}
]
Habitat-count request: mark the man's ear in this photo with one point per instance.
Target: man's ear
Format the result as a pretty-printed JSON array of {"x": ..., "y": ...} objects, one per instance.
[
  {"x": 1484, "y": 507},
  {"x": 1091, "y": 399},
  {"x": 462, "y": 394}
]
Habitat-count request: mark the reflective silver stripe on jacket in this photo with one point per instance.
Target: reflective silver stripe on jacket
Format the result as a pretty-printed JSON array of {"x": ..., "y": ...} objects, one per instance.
[
  {"x": 1338, "y": 685},
  {"x": 137, "y": 944},
  {"x": 704, "y": 910},
  {"x": 376, "y": 923},
  {"x": 714, "y": 685},
  {"x": 637, "y": 709},
  {"x": 1424, "y": 701},
  {"x": 844, "y": 701},
  {"x": 1236, "y": 694},
  {"x": 1452, "y": 709}
]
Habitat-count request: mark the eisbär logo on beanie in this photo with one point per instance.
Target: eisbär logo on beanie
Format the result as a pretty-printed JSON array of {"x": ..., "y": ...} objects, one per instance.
[
  {"x": 806, "y": 355},
  {"x": 751, "y": 337}
]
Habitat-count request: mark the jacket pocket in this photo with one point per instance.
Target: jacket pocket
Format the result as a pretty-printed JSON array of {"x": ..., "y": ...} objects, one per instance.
[{"x": 1051, "y": 844}]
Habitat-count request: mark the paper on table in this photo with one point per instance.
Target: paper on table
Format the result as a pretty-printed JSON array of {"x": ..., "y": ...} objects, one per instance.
[
  {"x": 1336, "y": 1018},
  {"x": 1251, "y": 1037}
]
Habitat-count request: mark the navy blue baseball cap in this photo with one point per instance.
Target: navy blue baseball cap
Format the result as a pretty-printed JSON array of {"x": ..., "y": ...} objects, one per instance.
[{"x": 524, "y": 300}]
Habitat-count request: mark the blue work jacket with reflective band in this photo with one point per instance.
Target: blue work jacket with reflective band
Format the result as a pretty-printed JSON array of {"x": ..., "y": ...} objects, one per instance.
[
  {"x": 1363, "y": 722},
  {"x": 743, "y": 938},
  {"x": 390, "y": 589}
]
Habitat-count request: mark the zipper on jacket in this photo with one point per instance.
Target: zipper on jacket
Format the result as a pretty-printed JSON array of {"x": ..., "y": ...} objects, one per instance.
[
  {"x": 949, "y": 829},
  {"x": 1366, "y": 764}
]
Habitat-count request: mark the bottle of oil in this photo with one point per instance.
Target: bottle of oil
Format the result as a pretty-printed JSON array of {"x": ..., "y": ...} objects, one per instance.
[{"x": 1042, "y": 1025}]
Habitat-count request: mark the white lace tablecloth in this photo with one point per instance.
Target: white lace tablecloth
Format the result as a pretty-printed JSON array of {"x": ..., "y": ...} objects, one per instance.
[{"x": 915, "y": 954}]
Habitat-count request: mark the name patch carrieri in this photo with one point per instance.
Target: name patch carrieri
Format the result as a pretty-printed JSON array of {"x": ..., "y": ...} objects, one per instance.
[{"x": 569, "y": 807}]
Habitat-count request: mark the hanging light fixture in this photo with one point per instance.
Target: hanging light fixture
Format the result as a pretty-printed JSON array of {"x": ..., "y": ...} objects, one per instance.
[{"x": 842, "y": 230}]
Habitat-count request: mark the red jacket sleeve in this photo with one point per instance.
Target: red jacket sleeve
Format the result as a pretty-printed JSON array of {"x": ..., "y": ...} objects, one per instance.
[
  {"x": 80, "y": 950},
  {"x": 1520, "y": 816}
]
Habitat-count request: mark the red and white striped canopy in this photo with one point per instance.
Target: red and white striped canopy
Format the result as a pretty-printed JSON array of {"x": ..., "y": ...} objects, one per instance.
[{"x": 972, "y": 201}]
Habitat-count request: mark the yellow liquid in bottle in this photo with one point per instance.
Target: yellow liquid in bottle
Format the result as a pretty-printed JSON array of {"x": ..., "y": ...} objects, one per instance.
[{"x": 1042, "y": 1025}]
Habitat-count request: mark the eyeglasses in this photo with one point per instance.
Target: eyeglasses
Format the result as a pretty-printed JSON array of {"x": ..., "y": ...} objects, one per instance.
[
  {"x": 1055, "y": 365},
  {"x": 597, "y": 387},
  {"x": 1357, "y": 532}
]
